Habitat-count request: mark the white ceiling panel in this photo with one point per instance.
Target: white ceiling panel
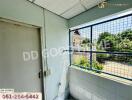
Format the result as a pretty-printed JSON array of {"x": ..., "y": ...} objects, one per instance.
[
  {"x": 57, "y": 6},
  {"x": 90, "y": 3},
  {"x": 40, "y": 3},
  {"x": 74, "y": 11},
  {"x": 67, "y": 8}
]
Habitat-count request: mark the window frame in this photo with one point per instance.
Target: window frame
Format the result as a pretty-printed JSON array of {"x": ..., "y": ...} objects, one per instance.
[{"x": 91, "y": 42}]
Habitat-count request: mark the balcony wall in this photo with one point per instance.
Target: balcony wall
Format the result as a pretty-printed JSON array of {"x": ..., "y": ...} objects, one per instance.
[{"x": 88, "y": 86}]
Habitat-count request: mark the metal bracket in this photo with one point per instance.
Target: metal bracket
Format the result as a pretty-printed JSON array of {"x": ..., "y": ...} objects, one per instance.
[{"x": 47, "y": 72}]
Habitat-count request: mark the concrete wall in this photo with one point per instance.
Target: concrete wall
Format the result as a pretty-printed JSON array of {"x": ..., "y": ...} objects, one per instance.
[
  {"x": 56, "y": 38},
  {"x": 96, "y": 13},
  {"x": 54, "y": 27},
  {"x": 87, "y": 86}
]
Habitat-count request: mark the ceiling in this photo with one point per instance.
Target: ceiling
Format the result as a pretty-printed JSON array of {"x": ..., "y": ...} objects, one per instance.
[{"x": 67, "y": 8}]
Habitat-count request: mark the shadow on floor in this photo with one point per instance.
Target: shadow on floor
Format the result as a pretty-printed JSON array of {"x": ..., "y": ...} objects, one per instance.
[{"x": 70, "y": 98}]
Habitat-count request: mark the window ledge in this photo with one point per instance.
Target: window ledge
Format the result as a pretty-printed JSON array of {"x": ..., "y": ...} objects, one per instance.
[{"x": 106, "y": 76}]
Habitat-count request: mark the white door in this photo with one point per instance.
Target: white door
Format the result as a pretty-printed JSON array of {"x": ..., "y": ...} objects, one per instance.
[{"x": 19, "y": 63}]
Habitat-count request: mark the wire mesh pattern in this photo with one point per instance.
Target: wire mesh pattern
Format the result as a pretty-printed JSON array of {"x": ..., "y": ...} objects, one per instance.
[
  {"x": 117, "y": 64},
  {"x": 113, "y": 38},
  {"x": 115, "y": 28}
]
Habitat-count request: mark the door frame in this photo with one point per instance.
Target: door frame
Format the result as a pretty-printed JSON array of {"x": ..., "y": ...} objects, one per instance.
[{"x": 41, "y": 44}]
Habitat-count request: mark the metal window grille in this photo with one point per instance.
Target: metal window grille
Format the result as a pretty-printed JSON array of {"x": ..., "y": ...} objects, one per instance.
[{"x": 104, "y": 47}]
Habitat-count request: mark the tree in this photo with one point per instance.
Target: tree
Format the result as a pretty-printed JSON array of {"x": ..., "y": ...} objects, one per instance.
[
  {"x": 107, "y": 42},
  {"x": 110, "y": 43},
  {"x": 125, "y": 45},
  {"x": 127, "y": 34},
  {"x": 86, "y": 41},
  {"x": 103, "y": 36},
  {"x": 125, "y": 40},
  {"x": 122, "y": 42}
]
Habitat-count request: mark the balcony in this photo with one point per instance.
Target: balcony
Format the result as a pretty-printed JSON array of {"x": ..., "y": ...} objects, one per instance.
[
  {"x": 101, "y": 60},
  {"x": 66, "y": 49}
]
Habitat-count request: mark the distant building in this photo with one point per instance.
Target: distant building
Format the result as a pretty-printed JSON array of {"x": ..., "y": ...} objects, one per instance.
[
  {"x": 77, "y": 45},
  {"x": 76, "y": 39}
]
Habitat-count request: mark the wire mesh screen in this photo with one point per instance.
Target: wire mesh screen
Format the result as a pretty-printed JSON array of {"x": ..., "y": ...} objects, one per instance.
[
  {"x": 80, "y": 41},
  {"x": 109, "y": 43},
  {"x": 116, "y": 64},
  {"x": 113, "y": 35}
]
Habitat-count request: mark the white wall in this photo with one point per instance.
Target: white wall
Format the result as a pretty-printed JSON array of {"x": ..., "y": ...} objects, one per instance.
[
  {"x": 56, "y": 37},
  {"x": 22, "y": 11},
  {"x": 54, "y": 27},
  {"x": 86, "y": 86}
]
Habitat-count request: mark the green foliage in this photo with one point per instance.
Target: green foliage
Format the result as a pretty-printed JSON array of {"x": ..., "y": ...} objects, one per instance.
[
  {"x": 118, "y": 58},
  {"x": 102, "y": 36},
  {"x": 83, "y": 61},
  {"x": 125, "y": 45},
  {"x": 86, "y": 41},
  {"x": 102, "y": 57},
  {"x": 107, "y": 42},
  {"x": 130, "y": 62},
  {"x": 122, "y": 42},
  {"x": 96, "y": 65},
  {"x": 110, "y": 43},
  {"x": 127, "y": 34}
]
